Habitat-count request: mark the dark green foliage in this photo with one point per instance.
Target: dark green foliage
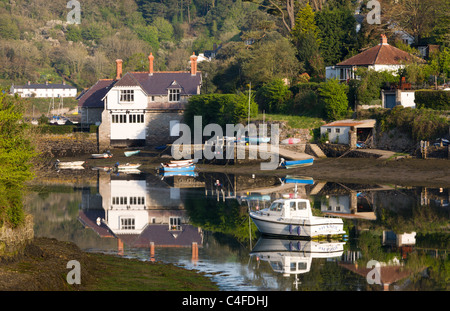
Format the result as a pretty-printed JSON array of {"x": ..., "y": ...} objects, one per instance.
[
  {"x": 219, "y": 108},
  {"x": 337, "y": 34},
  {"x": 334, "y": 96},
  {"x": 273, "y": 97},
  {"x": 438, "y": 100},
  {"x": 16, "y": 151},
  {"x": 420, "y": 124}
]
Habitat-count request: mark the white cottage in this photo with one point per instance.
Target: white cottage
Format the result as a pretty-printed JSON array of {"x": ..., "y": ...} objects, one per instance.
[
  {"x": 48, "y": 90},
  {"x": 138, "y": 108},
  {"x": 383, "y": 57}
]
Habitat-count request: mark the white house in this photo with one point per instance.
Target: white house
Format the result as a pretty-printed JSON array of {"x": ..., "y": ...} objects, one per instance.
[
  {"x": 44, "y": 90},
  {"x": 383, "y": 57},
  {"x": 138, "y": 108}
]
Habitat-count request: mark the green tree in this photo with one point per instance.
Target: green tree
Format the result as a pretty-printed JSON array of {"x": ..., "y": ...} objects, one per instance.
[
  {"x": 16, "y": 152},
  {"x": 337, "y": 34},
  {"x": 273, "y": 96},
  {"x": 305, "y": 36},
  {"x": 334, "y": 96}
]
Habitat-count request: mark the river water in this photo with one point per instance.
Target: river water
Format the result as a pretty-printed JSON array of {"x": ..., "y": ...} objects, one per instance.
[{"x": 398, "y": 238}]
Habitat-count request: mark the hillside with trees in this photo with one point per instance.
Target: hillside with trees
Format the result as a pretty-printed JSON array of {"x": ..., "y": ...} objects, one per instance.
[{"x": 262, "y": 42}]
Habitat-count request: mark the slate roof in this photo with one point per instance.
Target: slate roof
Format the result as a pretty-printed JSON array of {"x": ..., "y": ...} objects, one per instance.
[
  {"x": 382, "y": 54},
  {"x": 159, "y": 82},
  {"x": 92, "y": 98}
]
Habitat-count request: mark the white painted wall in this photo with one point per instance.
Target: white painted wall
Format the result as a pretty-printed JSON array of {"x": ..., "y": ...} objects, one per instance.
[
  {"x": 25, "y": 92},
  {"x": 113, "y": 99},
  {"x": 407, "y": 99},
  {"x": 335, "y": 132}
]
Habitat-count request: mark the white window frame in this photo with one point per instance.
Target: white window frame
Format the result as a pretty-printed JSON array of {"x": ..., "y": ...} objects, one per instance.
[
  {"x": 126, "y": 96},
  {"x": 174, "y": 95},
  {"x": 127, "y": 223}
]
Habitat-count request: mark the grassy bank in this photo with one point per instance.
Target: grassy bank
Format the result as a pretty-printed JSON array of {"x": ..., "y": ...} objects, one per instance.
[{"x": 43, "y": 267}]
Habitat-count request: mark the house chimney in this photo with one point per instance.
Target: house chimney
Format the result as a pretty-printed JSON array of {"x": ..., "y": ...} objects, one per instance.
[
  {"x": 150, "y": 64},
  {"x": 193, "y": 64},
  {"x": 118, "y": 69},
  {"x": 383, "y": 39}
]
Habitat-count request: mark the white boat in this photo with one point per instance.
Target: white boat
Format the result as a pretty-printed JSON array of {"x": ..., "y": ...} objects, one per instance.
[
  {"x": 103, "y": 155},
  {"x": 72, "y": 164},
  {"x": 290, "y": 141},
  {"x": 130, "y": 153},
  {"x": 293, "y": 218}
]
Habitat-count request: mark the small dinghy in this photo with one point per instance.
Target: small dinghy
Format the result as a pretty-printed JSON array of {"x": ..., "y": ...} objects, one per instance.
[{"x": 131, "y": 153}]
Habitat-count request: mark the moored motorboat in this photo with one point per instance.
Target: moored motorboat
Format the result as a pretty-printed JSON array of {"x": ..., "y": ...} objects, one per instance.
[{"x": 293, "y": 218}]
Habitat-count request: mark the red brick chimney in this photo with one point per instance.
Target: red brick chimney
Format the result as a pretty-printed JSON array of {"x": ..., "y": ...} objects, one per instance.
[
  {"x": 150, "y": 64},
  {"x": 118, "y": 69},
  {"x": 383, "y": 39},
  {"x": 193, "y": 64}
]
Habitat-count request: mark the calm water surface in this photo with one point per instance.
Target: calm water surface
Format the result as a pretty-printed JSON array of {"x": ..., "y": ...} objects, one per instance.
[{"x": 201, "y": 222}]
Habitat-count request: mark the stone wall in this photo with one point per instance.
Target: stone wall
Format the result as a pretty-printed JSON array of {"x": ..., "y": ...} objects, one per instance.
[
  {"x": 14, "y": 241},
  {"x": 61, "y": 145}
]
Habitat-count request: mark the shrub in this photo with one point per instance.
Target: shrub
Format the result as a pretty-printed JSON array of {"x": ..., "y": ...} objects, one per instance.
[{"x": 438, "y": 100}]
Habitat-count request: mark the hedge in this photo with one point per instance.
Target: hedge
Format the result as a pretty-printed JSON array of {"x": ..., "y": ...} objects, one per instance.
[
  {"x": 56, "y": 129},
  {"x": 437, "y": 100}
]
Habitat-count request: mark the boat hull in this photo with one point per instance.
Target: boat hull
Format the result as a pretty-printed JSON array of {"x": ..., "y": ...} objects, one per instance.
[
  {"x": 298, "y": 163},
  {"x": 306, "y": 228},
  {"x": 128, "y": 167},
  {"x": 130, "y": 153},
  {"x": 178, "y": 168}
]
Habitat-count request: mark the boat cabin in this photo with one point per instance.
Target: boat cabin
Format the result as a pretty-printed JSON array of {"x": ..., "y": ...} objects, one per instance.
[{"x": 290, "y": 208}]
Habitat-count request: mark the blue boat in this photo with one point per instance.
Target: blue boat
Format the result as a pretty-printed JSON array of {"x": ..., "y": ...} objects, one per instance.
[
  {"x": 167, "y": 168},
  {"x": 298, "y": 180},
  {"x": 179, "y": 173},
  {"x": 296, "y": 163},
  {"x": 161, "y": 147}
]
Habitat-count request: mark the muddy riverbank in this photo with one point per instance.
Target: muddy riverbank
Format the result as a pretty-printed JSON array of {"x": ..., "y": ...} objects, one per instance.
[{"x": 405, "y": 171}]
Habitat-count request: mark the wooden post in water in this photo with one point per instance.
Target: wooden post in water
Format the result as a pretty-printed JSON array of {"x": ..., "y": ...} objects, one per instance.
[
  {"x": 119, "y": 247},
  {"x": 194, "y": 252},
  {"x": 152, "y": 251}
]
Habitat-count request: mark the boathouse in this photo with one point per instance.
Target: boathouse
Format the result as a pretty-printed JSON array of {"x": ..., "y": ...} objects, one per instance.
[{"x": 356, "y": 133}]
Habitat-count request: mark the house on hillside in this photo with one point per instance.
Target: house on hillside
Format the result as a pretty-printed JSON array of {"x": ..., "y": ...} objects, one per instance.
[
  {"x": 48, "y": 90},
  {"x": 381, "y": 57},
  {"x": 138, "y": 108}
]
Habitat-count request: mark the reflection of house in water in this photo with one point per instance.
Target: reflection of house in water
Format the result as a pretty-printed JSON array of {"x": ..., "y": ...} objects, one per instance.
[
  {"x": 140, "y": 211},
  {"x": 349, "y": 201}
]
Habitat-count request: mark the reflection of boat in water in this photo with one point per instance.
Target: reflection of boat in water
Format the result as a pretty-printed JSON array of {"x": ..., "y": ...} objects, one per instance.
[
  {"x": 178, "y": 166},
  {"x": 127, "y": 166},
  {"x": 293, "y": 217},
  {"x": 289, "y": 179},
  {"x": 294, "y": 256},
  {"x": 104, "y": 155},
  {"x": 183, "y": 173},
  {"x": 69, "y": 165}
]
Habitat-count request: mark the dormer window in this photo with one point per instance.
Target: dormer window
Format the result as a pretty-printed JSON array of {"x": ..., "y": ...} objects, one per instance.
[
  {"x": 174, "y": 95},
  {"x": 127, "y": 96}
]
